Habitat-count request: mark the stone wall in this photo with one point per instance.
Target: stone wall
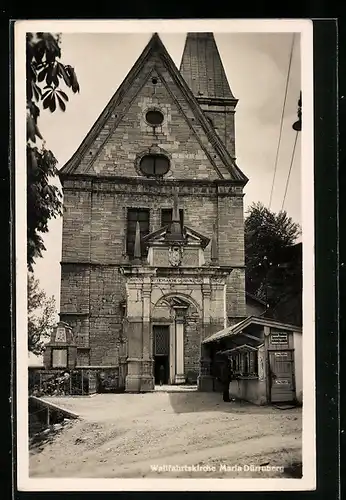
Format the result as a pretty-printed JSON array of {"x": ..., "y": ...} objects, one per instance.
[
  {"x": 91, "y": 302},
  {"x": 192, "y": 342}
]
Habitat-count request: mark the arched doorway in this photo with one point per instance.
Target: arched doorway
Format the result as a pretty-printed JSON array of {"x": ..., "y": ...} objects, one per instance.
[{"x": 168, "y": 339}]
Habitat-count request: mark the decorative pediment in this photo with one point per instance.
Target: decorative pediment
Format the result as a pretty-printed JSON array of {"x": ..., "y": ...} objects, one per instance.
[{"x": 190, "y": 237}]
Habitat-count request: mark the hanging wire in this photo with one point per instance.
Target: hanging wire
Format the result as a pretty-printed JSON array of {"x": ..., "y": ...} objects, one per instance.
[
  {"x": 290, "y": 169},
  {"x": 282, "y": 121}
]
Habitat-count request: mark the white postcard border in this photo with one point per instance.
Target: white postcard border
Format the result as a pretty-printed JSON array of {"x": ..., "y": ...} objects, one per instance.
[{"x": 308, "y": 482}]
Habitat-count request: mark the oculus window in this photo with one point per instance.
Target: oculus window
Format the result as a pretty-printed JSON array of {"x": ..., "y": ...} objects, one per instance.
[
  {"x": 155, "y": 165},
  {"x": 154, "y": 117}
]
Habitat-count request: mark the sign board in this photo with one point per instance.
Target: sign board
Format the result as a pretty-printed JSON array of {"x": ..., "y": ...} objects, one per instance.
[
  {"x": 278, "y": 338},
  {"x": 60, "y": 334},
  {"x": 59, "y": 358}
]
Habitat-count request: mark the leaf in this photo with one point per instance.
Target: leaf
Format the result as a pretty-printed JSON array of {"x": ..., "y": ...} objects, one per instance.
[
  {"x": 48, "y": 92},
  {"x": 64, "y": 74},
  {"x": 42, "y": 74},
  {"x": 52, "y": 104},
  {"x": 46, "y": 102},
  {"x": 65, "y": 96},
  {"x": 75, "y": 84},
  {"x": 61, "y": 103},
  {"x": 49, "y": 78}
]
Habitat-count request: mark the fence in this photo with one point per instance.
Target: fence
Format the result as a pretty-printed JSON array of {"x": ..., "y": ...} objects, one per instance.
[{"x": 82, "y": 381}]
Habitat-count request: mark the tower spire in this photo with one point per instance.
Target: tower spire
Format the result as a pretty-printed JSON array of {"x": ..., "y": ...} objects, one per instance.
[{"x": 202, "y": 68}]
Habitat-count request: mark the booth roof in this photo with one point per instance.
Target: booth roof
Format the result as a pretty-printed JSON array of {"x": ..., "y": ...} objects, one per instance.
[{"x": 250, "y": 320}]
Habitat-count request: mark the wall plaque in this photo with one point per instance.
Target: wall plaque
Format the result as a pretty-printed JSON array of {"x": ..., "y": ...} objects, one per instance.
[
  {"x": 278, "y": 338},
  {"x": 59, "y": 358}
]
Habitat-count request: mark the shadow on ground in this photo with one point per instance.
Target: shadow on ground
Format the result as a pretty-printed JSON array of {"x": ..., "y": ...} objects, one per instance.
[{"x": 191, "y": 402}]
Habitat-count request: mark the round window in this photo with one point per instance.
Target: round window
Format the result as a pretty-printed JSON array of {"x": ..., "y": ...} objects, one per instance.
[
  {"x": 154, "y": 165},
  {"x": 154, "y": 117}
]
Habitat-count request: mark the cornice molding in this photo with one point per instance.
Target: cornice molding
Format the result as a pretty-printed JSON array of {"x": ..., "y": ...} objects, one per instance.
[{"x": 162, "y": 187}]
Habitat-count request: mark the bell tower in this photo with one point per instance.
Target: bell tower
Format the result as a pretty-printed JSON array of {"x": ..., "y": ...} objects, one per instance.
[{"x": 202, "y": 69}]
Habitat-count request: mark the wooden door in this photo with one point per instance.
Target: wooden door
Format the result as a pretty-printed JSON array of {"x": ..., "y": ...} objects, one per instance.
[{"x": 281, "y": 376}]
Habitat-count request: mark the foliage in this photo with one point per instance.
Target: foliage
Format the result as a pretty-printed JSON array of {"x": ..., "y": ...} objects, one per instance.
[
  {"x": 273, "y": 259},
  {"x": 44, "y": 75},
  {"x": 41, "y": 316}
]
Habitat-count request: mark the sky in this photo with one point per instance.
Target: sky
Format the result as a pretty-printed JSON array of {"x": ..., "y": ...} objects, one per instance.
[{"x": 256, "y": 66}]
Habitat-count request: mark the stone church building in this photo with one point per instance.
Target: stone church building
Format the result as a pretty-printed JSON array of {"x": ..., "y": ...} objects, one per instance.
[{"x": 153, "y": 224}]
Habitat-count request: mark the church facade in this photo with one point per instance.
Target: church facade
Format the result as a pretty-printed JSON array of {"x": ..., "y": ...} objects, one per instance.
[{"x": 153, "y": 224}]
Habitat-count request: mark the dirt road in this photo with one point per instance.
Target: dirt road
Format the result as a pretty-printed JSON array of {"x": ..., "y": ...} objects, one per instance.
[{"x": 145, "y": 435}]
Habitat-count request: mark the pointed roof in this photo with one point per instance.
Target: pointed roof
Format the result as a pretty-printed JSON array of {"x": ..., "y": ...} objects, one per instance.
[
  {"x": 155, "y": 45},
  {"x": 202, "y": 68}
]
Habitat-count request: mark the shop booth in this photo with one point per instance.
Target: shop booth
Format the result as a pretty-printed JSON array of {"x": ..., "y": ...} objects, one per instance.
[{"x": 266, "y": 360}]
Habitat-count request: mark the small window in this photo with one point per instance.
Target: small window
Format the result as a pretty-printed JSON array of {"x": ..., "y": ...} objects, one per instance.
[
  {"x": 154, "y": 165},
  {"x": 142, "y": 216},
  {"x": 59, "y": 358},
  {"x": 154, "y": 117}
]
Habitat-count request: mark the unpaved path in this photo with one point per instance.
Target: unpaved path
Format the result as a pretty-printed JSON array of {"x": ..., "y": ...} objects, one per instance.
[{"x": 128, "y": 435}]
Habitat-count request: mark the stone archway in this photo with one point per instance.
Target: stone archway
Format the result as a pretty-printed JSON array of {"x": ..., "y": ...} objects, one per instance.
[
  {"x": 176, "y": 299},
  {"x": 180, "y": 309}
]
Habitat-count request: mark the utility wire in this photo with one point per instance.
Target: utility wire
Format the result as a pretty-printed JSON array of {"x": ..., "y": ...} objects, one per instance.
[
  {"x": 282, "y": 121},
  {"x": 289, "y": 172}
]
